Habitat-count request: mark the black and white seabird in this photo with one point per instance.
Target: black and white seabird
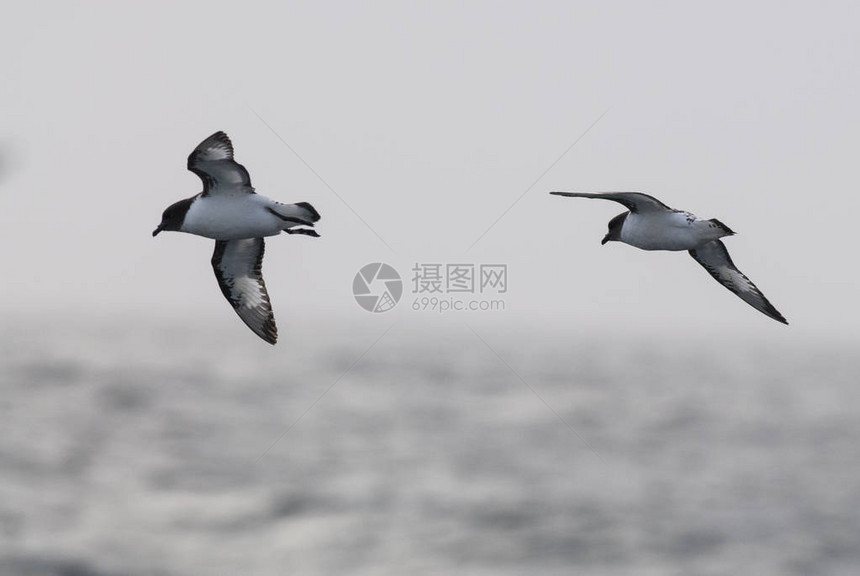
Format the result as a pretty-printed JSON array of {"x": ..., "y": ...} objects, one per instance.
[
  {"x": 237, "y": 218},
  {"x": 651, "y": 225}
]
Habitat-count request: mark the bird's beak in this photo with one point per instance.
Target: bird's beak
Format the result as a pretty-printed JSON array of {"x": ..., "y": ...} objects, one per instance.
[
  {"x": 605, "y": 240},
  {"x": 157, "y": 230}
]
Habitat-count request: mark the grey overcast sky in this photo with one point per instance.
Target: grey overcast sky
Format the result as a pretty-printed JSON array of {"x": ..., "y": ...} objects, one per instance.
[{"x": 430, "y": 120}]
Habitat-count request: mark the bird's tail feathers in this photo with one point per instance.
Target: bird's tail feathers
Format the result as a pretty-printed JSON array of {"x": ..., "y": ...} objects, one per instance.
[
  {"x": 311, "y": 212},
  {"x": 723, "y": 227},
  {"x": 299, "y": 214}
]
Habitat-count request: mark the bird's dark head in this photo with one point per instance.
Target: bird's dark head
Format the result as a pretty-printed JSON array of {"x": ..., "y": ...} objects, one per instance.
[
  {"x": 614, "y": 228},
  {"x": 173, "y": 217}
]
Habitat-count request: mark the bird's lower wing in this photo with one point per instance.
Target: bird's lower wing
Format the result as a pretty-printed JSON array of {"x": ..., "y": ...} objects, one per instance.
[
  {"x": 714, "y": 257},
  {"x": 238, "y": 268},
  {"x": 636, "y": 202}
]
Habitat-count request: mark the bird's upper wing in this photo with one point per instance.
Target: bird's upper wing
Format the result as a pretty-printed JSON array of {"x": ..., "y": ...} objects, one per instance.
[
  {"x": 212, "y": 160},
  {"x": 238, "y": 265},
  {"x": 636, "y": 202},
  {"x": 714, "y": 257}
]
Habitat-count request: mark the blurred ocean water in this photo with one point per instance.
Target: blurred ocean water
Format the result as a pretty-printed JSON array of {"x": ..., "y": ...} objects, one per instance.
[{"x": 171, "y": 451}]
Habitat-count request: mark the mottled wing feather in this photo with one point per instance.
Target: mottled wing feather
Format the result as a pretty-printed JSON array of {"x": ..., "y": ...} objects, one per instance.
[
  {"x": 714, "y": 257},
  {"x": 636, "y": 202},
  {"x": 213, "y": 162},
  {"x": 238, "y": 268}
]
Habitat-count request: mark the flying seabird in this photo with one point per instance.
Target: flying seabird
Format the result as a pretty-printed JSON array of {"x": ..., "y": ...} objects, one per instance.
[
  {"x": 651, "y": 225},
  {"x": 237, "y": 218}
]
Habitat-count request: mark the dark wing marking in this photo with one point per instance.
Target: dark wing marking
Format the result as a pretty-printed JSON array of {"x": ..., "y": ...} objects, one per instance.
[
  {"x": 213, "y": 162},
  {"x": 714, "y": 257},
  {"x": 238, "y": 268},
  {"x": 636, "y": 202}
]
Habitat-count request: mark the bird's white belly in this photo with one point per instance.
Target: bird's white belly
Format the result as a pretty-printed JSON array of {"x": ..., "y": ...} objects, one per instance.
[
  {"x": 231, "y": 218},
  {"x": 672, "y": 231}
]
